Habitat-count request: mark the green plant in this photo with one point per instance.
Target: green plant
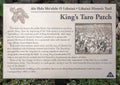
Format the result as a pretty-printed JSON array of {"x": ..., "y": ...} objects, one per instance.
[
  {"x": 118, "y": 57},
  {"x": 93, "y": 82},
  {"x": 1, "y": 7}
]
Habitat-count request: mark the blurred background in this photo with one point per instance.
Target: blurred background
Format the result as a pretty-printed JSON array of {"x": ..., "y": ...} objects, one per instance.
[{"x": 63, "y": 81}]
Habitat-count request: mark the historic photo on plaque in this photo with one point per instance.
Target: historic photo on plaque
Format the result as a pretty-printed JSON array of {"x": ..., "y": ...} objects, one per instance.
[{"x": 93, "y": 38}]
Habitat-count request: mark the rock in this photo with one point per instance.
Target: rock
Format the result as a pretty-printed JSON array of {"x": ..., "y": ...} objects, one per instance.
[
  {"x": 84, "y": 1},
  {"x": 101, "y": 1}
]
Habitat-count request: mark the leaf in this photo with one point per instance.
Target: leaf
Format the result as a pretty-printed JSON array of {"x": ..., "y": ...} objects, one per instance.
[
  {"x": 20, "y": 10},
  {"x": 15, "y": 18},
  {"x": 21, "y": 18},
  {"x": 1, "y": 7}
]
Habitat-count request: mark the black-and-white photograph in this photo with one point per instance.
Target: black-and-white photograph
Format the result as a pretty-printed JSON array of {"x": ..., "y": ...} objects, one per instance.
[{"x": 93, "y": 38}]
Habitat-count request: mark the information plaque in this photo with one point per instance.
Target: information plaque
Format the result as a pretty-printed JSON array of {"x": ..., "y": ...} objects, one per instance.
[{"x": 59, "y": 41}]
